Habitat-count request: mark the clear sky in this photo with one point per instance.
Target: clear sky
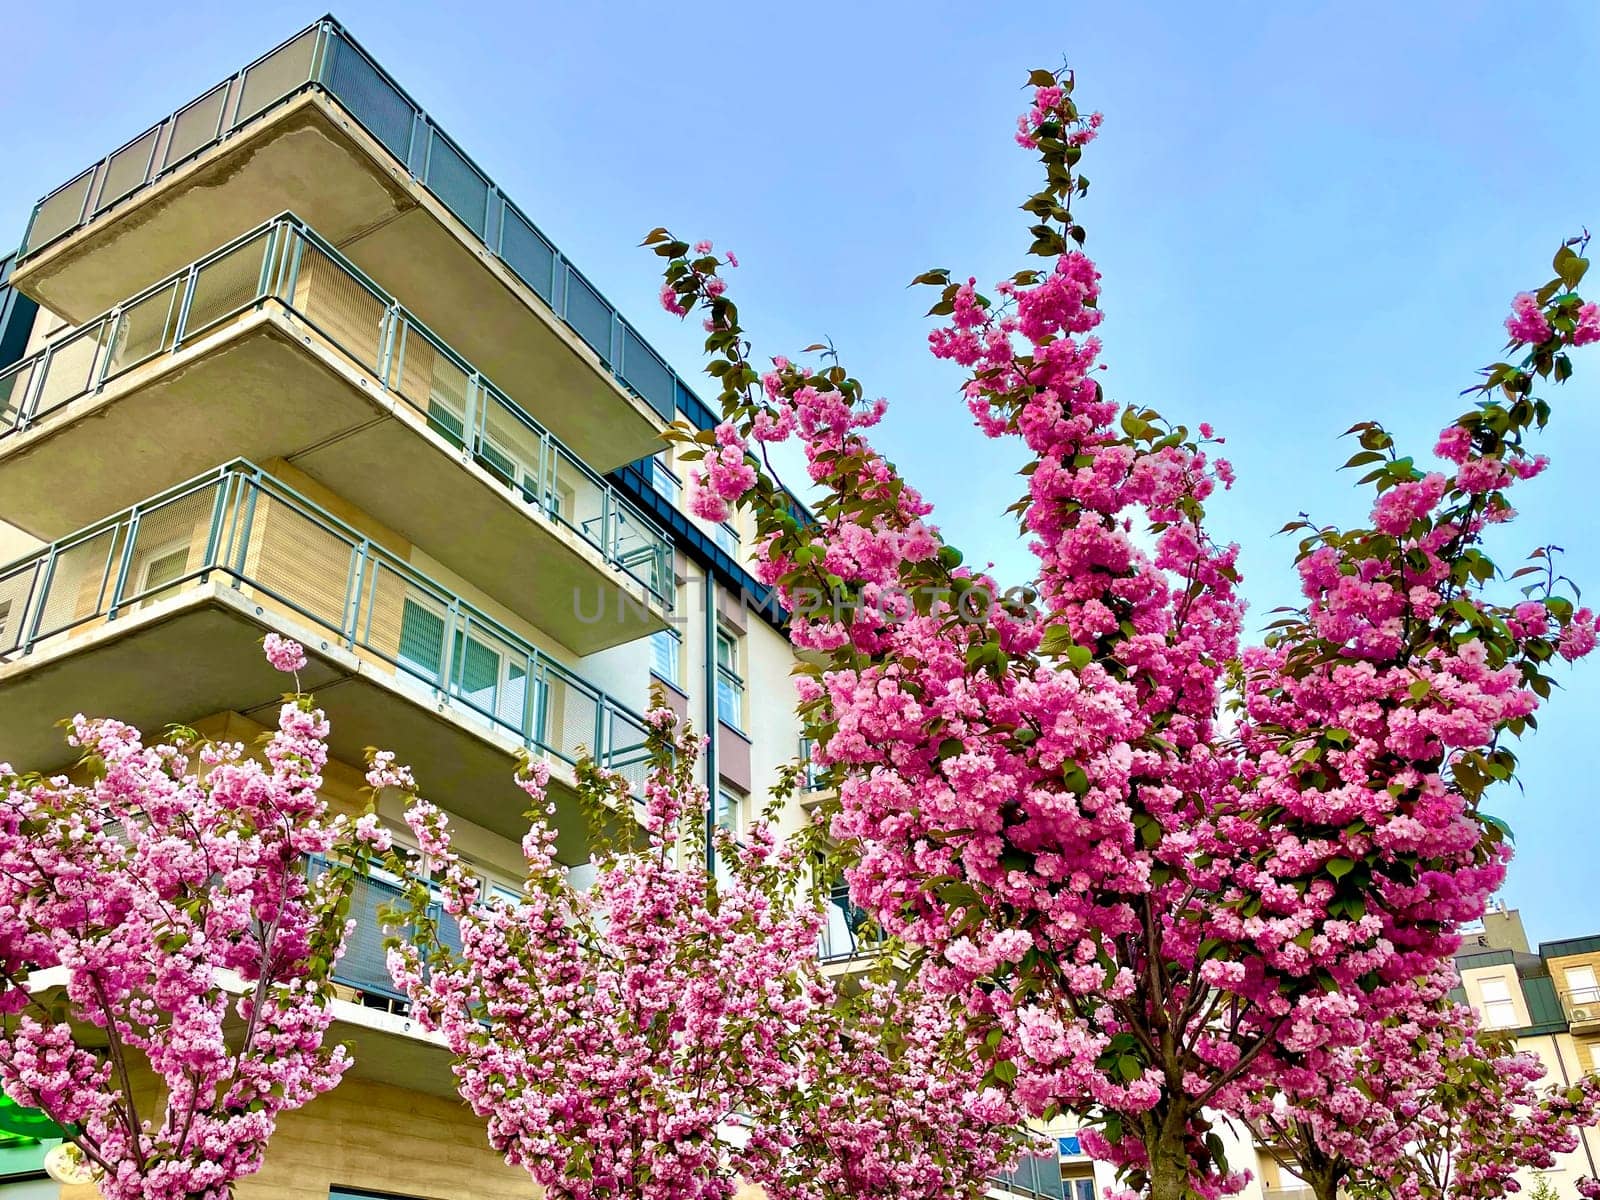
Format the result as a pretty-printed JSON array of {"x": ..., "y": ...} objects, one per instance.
[{"x": 1307, "y": 214}]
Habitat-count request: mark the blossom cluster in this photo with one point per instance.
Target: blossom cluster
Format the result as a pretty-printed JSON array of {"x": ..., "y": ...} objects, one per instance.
[
  {"x": 160, "y": 920},
  {"x": 1166, "y": 870},
  {"x": 611, "y": 1036}
]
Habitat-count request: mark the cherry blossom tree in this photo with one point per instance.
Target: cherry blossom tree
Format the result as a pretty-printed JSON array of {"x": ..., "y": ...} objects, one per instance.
[
  {"x": 1426, "y": 1106},
  {"x": 1156, "y": 909},
  {"x": 890, "y": 1101},
  {"x": 164, "y": 956},
  {"x": 664, "y": 1033},
  {"x": 1482, "y": 1117},
  {"x": 613, "y": 1037}
]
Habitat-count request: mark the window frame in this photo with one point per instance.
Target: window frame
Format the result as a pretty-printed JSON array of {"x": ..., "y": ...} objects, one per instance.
[
  {"x": 143, "y": 591},
  {"x": 660, "y": 637},
  {"x": 729, "y": 682},
  {"x": 1496, "y": 1007}
]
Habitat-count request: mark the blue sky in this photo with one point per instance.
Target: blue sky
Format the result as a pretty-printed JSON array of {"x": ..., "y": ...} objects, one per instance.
[{"x": 1307, "y": 214}]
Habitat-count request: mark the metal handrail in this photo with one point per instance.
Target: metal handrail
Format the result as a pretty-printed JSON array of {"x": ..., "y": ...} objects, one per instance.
[
  {"x": 813, "y": 778},
  {"x": 241, "y": 524},
  {"x": 325, "y": 58},
  {"x": 469, "y": 411},
  {"x": 847, "y": 932}
]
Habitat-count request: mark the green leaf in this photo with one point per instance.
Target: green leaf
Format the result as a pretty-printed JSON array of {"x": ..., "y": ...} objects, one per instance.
[
  {"x": 1494, "y": 822},
  {"x": 1340, "y": 867}
]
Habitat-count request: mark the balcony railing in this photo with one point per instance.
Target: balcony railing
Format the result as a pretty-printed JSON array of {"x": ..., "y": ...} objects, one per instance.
[
  {"x": 812, "y": 777},
  {"x": 1581, "y": 1005},
  {"x": 1037, "y": 1175},
  {"x": 324, "y": 57},
  {"x": 281, "y": 549},
  {"x": 285, "y": 262},
  {"x": 364, "y": 963},
  {"x": 848, "y": 932}
]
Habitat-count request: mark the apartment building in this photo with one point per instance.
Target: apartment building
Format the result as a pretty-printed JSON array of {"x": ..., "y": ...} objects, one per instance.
[
  {"x": 1549, "y": 998},
  {"x": 289, "y": 360}
]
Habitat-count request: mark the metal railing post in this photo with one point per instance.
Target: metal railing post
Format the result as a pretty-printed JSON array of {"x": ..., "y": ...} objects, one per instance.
[
  {"x": 190, "y": 277},
  {"x": 214, "y": 535},
  {"x": 48, "y": 576},
  {"x": 29, "y": 408},
  {"x": 447, "y": 651},
  {"x": 112, "y": 322},
  {"x": 386, "y": 340},
  {"x": 351, "y": 616},
  {"x": 124, "y": 565},
  {"x": 541, "y": 716},
  {"x": 529, "y": 687},
  {"x": 269, "y": 259},
  {"x": 243, "y": 540}
]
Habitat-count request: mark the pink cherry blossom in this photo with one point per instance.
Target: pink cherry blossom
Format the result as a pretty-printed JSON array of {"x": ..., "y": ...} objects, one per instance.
[
  {"x": 170, "y": 892},
  {"x": 1226, "y": 862}
]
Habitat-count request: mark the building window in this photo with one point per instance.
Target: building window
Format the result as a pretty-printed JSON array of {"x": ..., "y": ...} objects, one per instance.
[
  {"x": 666, "y": 654},
  {"x": 5, "y": 620},
  {"x": 731, "y": 810},
  {"x": 728, "y": 540},
  {"x": 1071, "y": 1147},
  {"x": 160, "y": 568},
  {"x": 730, "y": 684},
  {"x": 494, "y": 684},
  {"x": 1082, "y": 1189},
  {"x": 663, "y": 480},
  {"x": 1498, "y": 1010},
  {"x": 1581, "y": 984}
]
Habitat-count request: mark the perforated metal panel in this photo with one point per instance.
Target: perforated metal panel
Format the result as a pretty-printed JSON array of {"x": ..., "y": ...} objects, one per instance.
[
  {"x": 525, "y": 250},
  {"x": 276, "y": 75},
  {"x": 127, "y": 169},
  {"x": 59, "y": 212},
  {"x": 589, "y": 315},
  {"x": 371, "y": 98},
  {"x": 226, "y": 284},
  {"x": 364, "y": 964},
  {"x": 569, "y": 716},
  {"x": 195, "y": 126},
  {"x": 70, "y": 369},
  {"x": 19, "y": 587},
  {"x": 15, "y": 384},
  {"x": 343, "y": 307},
  {"x": 300, "y": 561},
  {"x": 145, "y": 328},
  {"x": 77, "y": 584},
  {"x": 643, "y": 371},
  {"x": 169, "y": 544},
  {"x": 457, "y": 183}
]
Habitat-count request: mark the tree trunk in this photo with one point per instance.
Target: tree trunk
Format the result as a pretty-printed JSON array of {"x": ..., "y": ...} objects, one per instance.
[
  {"x": 1324, "y": 1183},
  {"x": 1169, "y": 1161}
]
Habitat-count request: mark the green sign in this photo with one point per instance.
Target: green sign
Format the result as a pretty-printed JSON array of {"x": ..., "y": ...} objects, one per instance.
[{"x": 28, "y": 1123}]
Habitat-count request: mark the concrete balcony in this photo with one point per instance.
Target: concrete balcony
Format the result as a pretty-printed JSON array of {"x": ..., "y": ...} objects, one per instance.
[
  {"x": 318, "y": 127},
  {"x": 155, "y": 616},
  {"x": 276, "y": 346}
]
